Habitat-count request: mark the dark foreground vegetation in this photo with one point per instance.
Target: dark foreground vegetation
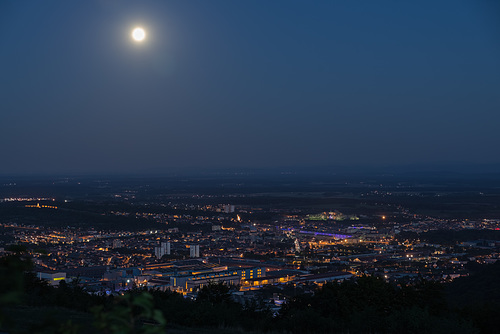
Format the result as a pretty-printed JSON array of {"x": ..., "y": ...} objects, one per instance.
[{"x": 367, "y": 305}]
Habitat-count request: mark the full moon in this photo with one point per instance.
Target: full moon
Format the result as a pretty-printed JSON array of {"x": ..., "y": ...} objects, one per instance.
[{"x": 138, "y": 34}]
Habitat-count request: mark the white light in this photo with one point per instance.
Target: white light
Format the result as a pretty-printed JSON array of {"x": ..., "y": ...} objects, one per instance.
[{"x": 138, "y": 34}]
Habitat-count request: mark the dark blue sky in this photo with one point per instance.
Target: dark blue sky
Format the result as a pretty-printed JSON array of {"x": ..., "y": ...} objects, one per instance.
[{"x": 247, "y": 84}]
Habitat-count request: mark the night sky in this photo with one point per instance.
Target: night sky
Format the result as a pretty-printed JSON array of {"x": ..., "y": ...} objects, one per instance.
[{"x": 247, "y": 84}]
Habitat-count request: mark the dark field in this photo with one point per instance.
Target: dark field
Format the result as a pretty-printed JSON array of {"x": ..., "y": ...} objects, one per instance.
[{"x": 88, "y": 201}]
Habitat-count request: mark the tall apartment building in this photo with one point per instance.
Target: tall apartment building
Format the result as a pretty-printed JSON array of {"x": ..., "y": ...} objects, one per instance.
[
  {"x": 163, "y": 249},
  {"x": 194, "y": 250}
]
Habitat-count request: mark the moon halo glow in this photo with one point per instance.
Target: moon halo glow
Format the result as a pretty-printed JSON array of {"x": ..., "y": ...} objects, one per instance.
[{"x": 138, "y": 34}]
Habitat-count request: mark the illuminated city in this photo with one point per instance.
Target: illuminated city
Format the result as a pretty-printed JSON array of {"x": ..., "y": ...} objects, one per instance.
[{"x": 247, "y": 167}]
